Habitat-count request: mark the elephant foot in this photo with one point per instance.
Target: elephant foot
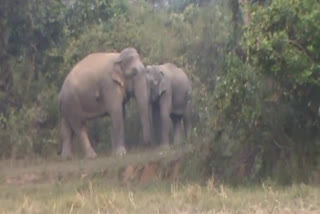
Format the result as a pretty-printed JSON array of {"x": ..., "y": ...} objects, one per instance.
[
  {"x": 66, "y": 155},
  {"x": 165, "y": 145},
  {"x": 120, "y": 151},
  {"x": 91, "y": 155},
  {"x": 164, "y": 149}
]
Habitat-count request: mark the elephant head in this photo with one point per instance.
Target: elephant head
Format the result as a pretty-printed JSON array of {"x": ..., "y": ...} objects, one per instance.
[
  {"x": 157, "y": 82},
  {"x": 134, "y": 75}
]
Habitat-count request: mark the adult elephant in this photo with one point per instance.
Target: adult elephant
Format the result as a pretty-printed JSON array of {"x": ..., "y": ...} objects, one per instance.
[
  {"x": 99, "y": 85},
  {"x": 170, "y": 96}
]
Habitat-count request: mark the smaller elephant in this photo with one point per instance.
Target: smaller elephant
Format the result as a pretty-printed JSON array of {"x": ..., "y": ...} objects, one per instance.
[{"x": 170, "y": 94}]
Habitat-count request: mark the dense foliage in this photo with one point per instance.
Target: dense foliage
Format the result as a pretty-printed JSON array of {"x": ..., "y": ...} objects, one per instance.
[{"x": 254, "y": 67}]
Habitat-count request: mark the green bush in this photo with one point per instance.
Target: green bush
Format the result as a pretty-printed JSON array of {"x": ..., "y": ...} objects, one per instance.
[
  {"x": 255, "y": 87},
  {"x": 267, "y": 107}
]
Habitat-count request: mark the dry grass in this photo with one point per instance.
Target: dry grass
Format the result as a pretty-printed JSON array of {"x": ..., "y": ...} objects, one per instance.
[
  {"x": 100, "y": 196},
  {"x": 78, "y": 192}
]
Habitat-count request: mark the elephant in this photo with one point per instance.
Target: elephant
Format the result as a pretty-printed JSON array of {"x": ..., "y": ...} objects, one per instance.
[
  {"x": 170, "y": 95},
  {"x": 100, "y": 84}
]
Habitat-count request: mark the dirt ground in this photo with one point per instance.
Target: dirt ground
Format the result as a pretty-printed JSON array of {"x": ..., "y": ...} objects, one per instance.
[{"x": 140, "y": 182}]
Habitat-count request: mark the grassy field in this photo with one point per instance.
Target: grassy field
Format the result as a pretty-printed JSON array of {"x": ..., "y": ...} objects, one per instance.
[{"x": 80, "y": 186}]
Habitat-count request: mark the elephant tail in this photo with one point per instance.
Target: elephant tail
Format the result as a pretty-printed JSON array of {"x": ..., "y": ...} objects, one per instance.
[
  {"x": 61, "y": 99},
  {"x": 60, "y": 105}
]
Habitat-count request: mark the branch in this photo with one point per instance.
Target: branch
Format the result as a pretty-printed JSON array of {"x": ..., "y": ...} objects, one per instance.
[{"x": 300, "y": 47}]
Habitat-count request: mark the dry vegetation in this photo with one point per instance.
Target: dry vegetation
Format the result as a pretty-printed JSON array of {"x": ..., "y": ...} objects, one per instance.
[
  {"x": 78, "y": 186},
  {"x": 255, "y": 107}
]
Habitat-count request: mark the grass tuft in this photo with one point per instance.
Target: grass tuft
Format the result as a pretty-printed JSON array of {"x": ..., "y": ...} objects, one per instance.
[{"x": 82, "y": 187}]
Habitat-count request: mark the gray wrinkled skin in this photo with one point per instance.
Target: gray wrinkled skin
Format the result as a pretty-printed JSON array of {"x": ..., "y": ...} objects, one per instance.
[
  {"x": 170, "y": 96},
  {"x": 99, "y": 85}
]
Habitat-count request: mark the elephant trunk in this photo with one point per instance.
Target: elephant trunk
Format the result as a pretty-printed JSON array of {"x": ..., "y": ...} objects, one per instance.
[
  {"x": 151, "y": 122},
  {"x": 142, "y": 98}
]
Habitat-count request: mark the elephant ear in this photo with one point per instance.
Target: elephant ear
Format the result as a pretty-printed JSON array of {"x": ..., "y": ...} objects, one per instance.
[
  {"x": 163, "y": 83},
  {"x": 117, "y": 77}
]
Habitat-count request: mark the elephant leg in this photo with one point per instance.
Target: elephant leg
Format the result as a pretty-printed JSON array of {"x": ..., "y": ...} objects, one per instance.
[
  {"x": 118, "y": 132},
  {"x": 66, "y": 135},
  {"x": 165, "y": 128},
  {"x": 176, "y": 128},
  {"x": 165, "y": 107},
  {"x": 124, "y": 112},
  {"x": 156, "y": 123},
  {"x": 81, "y": 131}
]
